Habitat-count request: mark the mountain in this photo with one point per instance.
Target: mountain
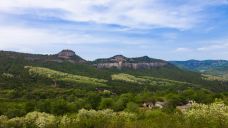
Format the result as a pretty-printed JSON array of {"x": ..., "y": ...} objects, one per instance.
[
  {"x": 212, "y": 67},
  {"x": 70, "y": 56},
  {"x": 65, "y": 83},
  {"x": 68, "y": 62},
  {"x": 197, "y": 65},
  {"x": 120, "y": 62},
  {"x": 64, "y": 55}
]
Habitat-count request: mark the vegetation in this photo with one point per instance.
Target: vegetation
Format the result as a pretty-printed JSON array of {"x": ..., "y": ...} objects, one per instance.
[
  {"x": 147, "y": 80},
  {"x": 50, "y": 94},
  {"x": 213, "y": 78},
  {"x": 214, "y": 115},
  {"x": 216, "y": 68},
  {"x": 60, "y": 76}
]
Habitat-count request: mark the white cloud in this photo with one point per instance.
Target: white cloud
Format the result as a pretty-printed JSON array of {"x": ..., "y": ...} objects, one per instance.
[
  {"x": 134, "y": 13},
  {"x": 183, "y": 50},
  {"x": 215, "y": 46},
  {"x": 28, "y": 39},
  {"x": 15, "y": 37},
  {"x": 23, "y": 35}
]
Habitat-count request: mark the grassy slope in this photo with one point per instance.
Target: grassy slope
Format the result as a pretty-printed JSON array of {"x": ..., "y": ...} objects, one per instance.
[
  {"x": 64, "y": 77},
  {"x": 153, "y": 83}
]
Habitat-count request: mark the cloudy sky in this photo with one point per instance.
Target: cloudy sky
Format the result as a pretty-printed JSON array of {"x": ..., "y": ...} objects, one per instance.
[{"x": 165, "y": 29}]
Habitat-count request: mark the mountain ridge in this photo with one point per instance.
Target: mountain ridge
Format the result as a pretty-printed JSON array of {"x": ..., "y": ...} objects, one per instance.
[
  {"x": 117, "y": 61},
  {"x": 212, "y": 67},
  {"x": 59, "y": 57},
  {"x": 120, "y": 61},
  {"x": 14, "y": 63}
]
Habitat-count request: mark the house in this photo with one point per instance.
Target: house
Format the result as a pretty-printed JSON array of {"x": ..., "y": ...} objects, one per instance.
[
  {"x": 148, "y": 105},
  {"x": 151, "y": 105},
  {"x": 186, "y": 106},
  {"x": 159, "y": 104}
]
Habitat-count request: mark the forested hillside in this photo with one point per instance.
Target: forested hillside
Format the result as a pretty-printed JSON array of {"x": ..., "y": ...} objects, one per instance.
[
  {"x": 48, "y": 91},
  {"x": 217, "y": 68}
]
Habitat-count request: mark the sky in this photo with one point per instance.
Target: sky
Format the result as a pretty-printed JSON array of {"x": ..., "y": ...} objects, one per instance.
[{"x": 164, "y": 29}]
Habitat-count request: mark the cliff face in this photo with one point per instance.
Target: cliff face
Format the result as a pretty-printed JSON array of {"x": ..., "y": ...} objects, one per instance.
[
  {"x": 118, "y": 61},
  {"x": 70, "y": 56},
  {"x": 121, "y": 62},
  {"x": 66, "y": 54},
  {"x": 131, "y": 65}
]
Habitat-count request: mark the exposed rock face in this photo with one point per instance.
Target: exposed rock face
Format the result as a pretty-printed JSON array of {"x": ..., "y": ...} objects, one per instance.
[
  {"x": 66, "y": 54},
  {"x": 131, "y": 65},
  {"x": 120, "y": 62}
]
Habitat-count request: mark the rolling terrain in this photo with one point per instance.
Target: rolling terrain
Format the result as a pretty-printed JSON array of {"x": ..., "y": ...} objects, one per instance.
[
  {"x": 33, "y": 85},
  {"x": 217, "y": 68}
]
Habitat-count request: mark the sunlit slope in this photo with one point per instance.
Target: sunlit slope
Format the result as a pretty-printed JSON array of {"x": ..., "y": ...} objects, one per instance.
[
  {"x": 145, "y": 79},
  {"x": 64, "y": 77}
]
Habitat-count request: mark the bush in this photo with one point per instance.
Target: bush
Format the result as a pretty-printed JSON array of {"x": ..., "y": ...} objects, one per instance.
[
  {"x": 40, "y": 120},
  {"x": 106, "y": 103},
  {"x": 214, "y": 115},
  {"x": 97, "y": 119},
  {"x": 3, "y": 121},
  {"x": 17, "y": 122},
  {"x": 132, "y": 107},
  {"x": 198, "y": 116}
]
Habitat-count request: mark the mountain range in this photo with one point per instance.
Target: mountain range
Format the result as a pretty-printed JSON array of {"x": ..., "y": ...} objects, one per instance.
[
  {"x": 212, "y": 67},
  {"x": 68, "y": 61}
]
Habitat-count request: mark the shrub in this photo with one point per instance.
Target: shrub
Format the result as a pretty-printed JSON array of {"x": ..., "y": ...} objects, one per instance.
[
  {"x": 3, "y": 121},
  {"x": 40, "y": 120},
  {"x": 17, "y": 122},
  {"x": 214, "y": 115},
  {"x": 97, "y": 119},
  {"x": 132, "y": 107}
]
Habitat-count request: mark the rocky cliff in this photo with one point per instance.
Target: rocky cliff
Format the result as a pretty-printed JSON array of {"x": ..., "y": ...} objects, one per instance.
[
  {"x": 70, "y": 56},
  {"x": 66, "y": 54},
  {"x": 121, "y": 62}
]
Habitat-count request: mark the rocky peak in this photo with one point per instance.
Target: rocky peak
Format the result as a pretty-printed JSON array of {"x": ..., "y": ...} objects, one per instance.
[
  {"x": 66, "y": 54},
  {"x": 119, "y": 58}
]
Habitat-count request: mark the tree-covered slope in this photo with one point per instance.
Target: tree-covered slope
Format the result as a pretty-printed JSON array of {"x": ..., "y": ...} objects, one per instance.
[
  {"x": 63, "y": 85},
  {"x": 200, "y": 65},
  {"x": 211, "y": 67},
  {"x": 14, "y": 63}
]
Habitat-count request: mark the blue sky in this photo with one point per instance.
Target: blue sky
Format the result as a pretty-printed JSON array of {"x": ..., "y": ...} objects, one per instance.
[{"x": 165, "y": 29}]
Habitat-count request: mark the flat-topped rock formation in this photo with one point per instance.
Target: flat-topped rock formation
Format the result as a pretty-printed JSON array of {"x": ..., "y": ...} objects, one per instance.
[{"x": 121, "y": 62}]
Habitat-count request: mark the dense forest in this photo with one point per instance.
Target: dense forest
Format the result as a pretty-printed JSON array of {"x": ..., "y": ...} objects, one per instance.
[{"x": 38, "y": 93}]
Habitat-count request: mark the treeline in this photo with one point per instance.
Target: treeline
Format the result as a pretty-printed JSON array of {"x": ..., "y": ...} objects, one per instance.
[
  {"x": 214, "y": 115},
  {"x": 59, "y": 101}
]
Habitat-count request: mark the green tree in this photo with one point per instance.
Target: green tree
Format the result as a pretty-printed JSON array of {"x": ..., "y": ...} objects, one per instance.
[
  {"x": 132, "y": 107},
  {"x": 106, "y": 103}
]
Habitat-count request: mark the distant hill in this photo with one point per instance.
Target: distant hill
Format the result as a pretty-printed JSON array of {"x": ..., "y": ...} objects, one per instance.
[{"x": 212, "y": 67}]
